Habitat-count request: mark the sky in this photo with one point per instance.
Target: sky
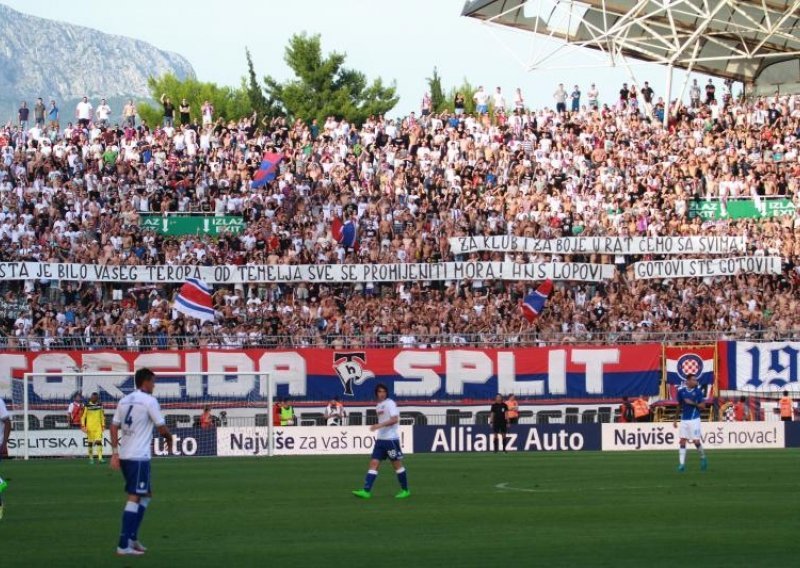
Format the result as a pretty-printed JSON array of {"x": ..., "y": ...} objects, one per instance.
[{"x": 400, "y": 40}]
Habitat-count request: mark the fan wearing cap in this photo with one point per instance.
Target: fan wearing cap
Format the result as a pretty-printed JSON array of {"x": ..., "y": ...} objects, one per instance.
[{"x": 93, "y": 422}]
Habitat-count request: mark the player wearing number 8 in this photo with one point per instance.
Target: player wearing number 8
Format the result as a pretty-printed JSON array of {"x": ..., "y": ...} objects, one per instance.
[
  {"x": 387, "y": 445},
  {"x": 134, "y": 419}
]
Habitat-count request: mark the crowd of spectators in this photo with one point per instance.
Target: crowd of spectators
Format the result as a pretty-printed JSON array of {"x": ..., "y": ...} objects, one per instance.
[{"x": 75, "y": 190}]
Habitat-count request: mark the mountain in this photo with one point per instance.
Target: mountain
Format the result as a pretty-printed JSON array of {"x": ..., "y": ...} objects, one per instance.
[{"x": 55, "y": 60}]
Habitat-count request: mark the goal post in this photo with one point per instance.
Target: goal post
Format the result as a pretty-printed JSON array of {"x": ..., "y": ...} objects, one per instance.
[{"x": 227, "y": 398}]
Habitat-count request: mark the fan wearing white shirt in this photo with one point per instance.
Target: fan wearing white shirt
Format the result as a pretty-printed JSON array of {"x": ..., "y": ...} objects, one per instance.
[
  {"x": 102, "y": 113},
  {"x": 135, "y": 417},
  {"x": 83, "y": 112}
]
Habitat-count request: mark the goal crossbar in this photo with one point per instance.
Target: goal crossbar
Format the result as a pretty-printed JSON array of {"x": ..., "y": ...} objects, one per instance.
[{"x": 26, "y": 381}]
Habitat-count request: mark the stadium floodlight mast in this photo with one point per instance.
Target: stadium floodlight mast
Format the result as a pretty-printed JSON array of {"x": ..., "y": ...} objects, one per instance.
[
  {"x": 732, "y": 39},
  {"x": 108, "y": 382}
]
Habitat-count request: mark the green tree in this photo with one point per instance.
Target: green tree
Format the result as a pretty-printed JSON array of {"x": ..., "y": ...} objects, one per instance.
[
  {"x": 438, "y": 101},
  {"x": 255, "y": 93},
  {"x": 229, "y": 103},
  {"x": 323, "y": 86}
]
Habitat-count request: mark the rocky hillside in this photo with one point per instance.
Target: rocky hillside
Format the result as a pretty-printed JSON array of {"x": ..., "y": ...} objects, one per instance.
[{"x": 40, "y": 57}]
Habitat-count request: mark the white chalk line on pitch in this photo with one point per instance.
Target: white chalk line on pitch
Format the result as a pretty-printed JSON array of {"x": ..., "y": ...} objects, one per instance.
[{"x": 506, "y": 487}]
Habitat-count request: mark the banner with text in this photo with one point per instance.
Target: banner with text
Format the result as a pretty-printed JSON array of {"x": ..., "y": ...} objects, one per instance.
[
  {"x": 330, "y": 273},
  {"x": 701, "y": 268},
  {"x": 520, "y": 438},
  {"x": 72, "y": 443},
  {"x": 321, "y": 374},
  {"x": 304, "y": 440},
  {"x": 715, "y": 435},
  {"x": 767, "y": 367},
  {"x": 600, "y": 245}
]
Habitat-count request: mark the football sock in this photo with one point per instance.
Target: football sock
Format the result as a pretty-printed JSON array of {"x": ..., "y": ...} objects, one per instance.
[
  {"x": 100, "y": 451},
  {"x": 370, "y": 479},
  {"x": 700, "y": 449},
  {"x": 91, "y": 451},
  {"x": 682, "y": 456},
  {"x": 129, "y": 516},
  {"x": 143, "y": 503},
  {"x": 402, "y": 477}
]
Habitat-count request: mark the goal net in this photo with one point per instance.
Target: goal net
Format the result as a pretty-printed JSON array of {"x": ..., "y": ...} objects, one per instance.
[{"x": 46, "y": 409}]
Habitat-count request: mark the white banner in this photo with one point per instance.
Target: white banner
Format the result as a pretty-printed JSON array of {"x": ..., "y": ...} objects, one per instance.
[
  {"x": 53, "y": 443},
  {"x": 600, "y": 245},
  {"x": 71, "y": 442},
  {"x": 304, "y": 440},
  {"x": 701, "y": 268},
  {"x": 285, "y": 273},
  {"x": 715, "y": 435}
]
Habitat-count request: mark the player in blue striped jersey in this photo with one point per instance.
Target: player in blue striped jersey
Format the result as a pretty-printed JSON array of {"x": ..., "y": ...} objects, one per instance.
[{"x": 690, "y": 404}]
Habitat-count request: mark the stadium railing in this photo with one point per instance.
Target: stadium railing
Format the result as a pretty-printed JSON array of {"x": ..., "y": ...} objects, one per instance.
[{"x": 224, "y": 341}]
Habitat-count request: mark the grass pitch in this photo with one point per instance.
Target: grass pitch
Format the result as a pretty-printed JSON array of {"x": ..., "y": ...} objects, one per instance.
[{"x": 556, "y": 509}]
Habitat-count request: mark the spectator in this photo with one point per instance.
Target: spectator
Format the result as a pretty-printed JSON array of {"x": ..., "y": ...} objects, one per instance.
[
  {"x": 426, "y": 105},
  {"x": 287, "y": 414},
  {"x": 102, "y": 114},
  {"x": 184, "y": 110},
  {"x": 23, "y": 115},
  {"x": 641, "y": 410},
  {"x": 38, "y": 113},
  {"x": 647, "y": 99},
  {"x": 513, "y": 409},
  {"x": 560, "y": 97},
  {"x": 694, "y": 94},
  {"x": 710, "y": 92},
  {"x": 593, "y": 96},
  {"x": 458, "y": 104},
  {"x": 576, "y": 99},
  {"x": 335, "y": 413},
  {"x": 499, "y": 101},
  {"x": 207, "y": 111},
  {"x": 481, "y": 99},
  {"x": 626, "y": 414},
  {"x": 75, "y": 411},
  {"x": 786, "y": 407},
  {"x": 519, "y": 101},
  {"x": 52, "y": 117},
  {"x": 83, "y": 112},
  {"x": 741, "y": 410},
  {"x": 129, "y": 114},
  {"x": 169, "y": 111},
  {"x": 206, "y": 419}
]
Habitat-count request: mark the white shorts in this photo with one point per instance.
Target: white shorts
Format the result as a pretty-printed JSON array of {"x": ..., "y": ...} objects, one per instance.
[{"x": 690, "y": 429}]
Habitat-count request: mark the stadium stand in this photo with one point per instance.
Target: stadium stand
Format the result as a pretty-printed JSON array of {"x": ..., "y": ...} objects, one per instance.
[{"x": 78, "y": 194}]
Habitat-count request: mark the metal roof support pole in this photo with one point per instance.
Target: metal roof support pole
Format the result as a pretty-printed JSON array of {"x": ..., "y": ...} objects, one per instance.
[
  {"x": 668, "y": 96},
  {"x": 688, "y": 74}
]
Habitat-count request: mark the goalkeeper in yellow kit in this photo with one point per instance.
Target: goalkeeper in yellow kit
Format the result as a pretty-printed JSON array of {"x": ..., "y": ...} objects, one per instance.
[{"x": 93, "y": 422}]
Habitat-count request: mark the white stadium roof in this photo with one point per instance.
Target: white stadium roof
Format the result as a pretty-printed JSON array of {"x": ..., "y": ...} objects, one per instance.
[{"x": 735, "y": 39}]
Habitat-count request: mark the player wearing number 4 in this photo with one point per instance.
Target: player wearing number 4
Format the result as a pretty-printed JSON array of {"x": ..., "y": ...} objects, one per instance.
[
  {"x": 690, "y": 403},
  {"x": 387, "y": 445},
  {"x": 135, "y": 417}
]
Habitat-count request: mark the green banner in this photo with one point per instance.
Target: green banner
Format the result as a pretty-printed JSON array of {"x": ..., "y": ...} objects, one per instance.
[
  {"x": 175, "y": 225},
  {"x": 712, "y": 209}
]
